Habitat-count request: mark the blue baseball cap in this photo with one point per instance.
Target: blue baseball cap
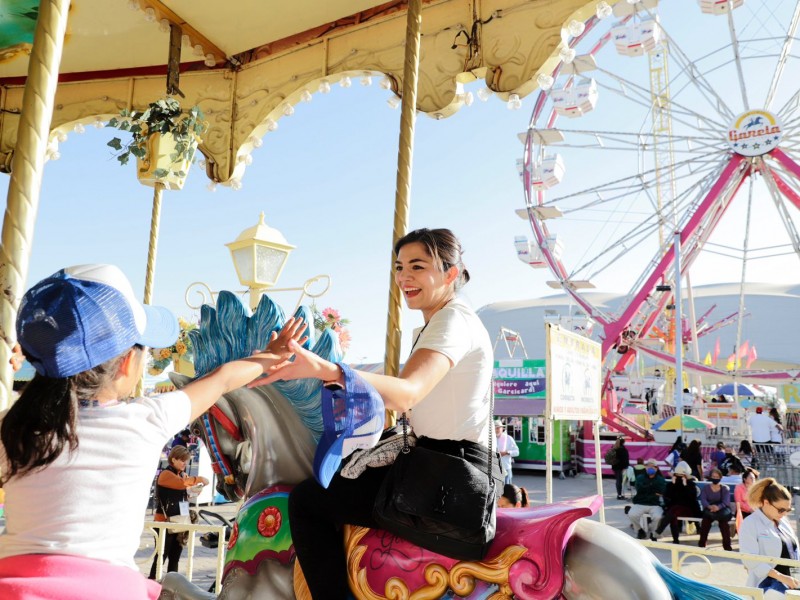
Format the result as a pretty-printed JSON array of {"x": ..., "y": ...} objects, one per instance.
[
  {"x": 83, "y": 316},
  {"x": 352, "y": 419}
]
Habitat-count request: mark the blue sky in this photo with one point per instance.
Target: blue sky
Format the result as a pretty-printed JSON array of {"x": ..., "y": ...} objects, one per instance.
[{"x": 326, "y": 179}]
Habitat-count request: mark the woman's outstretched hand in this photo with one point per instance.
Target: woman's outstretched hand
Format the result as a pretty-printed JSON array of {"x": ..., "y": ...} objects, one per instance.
[
  {"x": 278, "y": 350},
  {"x": 306, "y": 365}
]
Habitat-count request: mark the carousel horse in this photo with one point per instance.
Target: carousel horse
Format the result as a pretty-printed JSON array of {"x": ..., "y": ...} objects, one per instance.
[{"x": 262, "y": 443}]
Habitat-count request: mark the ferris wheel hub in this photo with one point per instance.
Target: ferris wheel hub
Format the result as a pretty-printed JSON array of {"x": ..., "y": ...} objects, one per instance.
[{"x": 754, "y": 133}]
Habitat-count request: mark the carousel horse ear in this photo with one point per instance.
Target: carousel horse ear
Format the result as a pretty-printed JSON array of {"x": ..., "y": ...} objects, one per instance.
[{"x": 244, "y": 456}]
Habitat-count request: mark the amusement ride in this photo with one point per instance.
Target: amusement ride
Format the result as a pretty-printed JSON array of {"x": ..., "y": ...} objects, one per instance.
[{"x": 667, "y": 134}]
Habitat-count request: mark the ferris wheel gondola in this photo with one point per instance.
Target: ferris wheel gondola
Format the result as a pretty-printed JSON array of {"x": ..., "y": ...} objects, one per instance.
[{"x": 668, "y": 120}]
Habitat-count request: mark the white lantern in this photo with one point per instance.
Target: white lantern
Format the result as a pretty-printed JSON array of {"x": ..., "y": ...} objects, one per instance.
[{"x": 259, "y": 255}]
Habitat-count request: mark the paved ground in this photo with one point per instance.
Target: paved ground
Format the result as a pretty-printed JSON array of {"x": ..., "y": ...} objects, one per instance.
[{"x": 731, "y": 572}]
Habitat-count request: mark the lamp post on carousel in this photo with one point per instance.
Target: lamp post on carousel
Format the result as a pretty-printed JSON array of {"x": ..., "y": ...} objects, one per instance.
[{"x": 259, "y": 254}]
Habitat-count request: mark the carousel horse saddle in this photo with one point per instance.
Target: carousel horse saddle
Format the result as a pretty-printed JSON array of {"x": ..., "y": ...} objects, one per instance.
[{"x": 526, "y": 558}]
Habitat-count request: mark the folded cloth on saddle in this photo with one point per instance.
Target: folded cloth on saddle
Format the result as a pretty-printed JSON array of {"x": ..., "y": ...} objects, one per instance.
[
  {"x": 352, "y": 419},
  {"x": 38, "y": 576},
  {"x": 382, "y": 455}
]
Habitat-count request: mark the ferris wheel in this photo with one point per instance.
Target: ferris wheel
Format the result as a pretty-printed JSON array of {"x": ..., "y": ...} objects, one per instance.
[{"x": 666, "y": 120}]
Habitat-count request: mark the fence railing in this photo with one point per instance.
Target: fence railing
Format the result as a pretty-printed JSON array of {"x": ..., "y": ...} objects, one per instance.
[
  {"x": 159, "y": 529},
  {"x": 679, "y": 554}
]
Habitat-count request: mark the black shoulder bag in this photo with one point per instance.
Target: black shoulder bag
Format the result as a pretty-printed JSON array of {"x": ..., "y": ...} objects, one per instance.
[{"x": 440, "y": 495}]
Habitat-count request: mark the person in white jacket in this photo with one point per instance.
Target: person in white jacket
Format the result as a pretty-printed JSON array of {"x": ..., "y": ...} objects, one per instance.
[
  {"x": 506, "y": 447},
  {"x": 767, "y": 532}
]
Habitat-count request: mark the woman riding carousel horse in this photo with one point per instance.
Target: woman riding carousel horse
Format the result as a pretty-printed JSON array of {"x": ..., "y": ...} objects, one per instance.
[{"x": 444, "y": 385}]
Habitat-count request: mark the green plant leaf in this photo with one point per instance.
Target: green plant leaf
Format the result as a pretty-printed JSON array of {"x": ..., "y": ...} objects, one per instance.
[
  {"x": 160, "y": 173},
  {"x": 115, "y": 143},
  {"x": 123, "y": 158},
  {"x": 137, "y": 151},
  {"x": 112, "y": 122}
]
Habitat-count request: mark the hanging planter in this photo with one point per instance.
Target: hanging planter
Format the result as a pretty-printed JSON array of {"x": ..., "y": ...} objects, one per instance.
[
  {"x": 165, "y": 162},
  {"x": 164, "y": 139}
]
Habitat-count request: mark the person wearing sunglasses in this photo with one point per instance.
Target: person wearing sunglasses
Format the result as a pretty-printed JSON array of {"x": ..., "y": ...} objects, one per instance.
[{"x": 767, "y": 532}]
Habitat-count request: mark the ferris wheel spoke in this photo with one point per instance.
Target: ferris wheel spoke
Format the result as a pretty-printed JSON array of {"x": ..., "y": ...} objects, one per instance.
[
  {"x": 626, "y": 185},
  {"x": 693, "y": 73},
  {"x": 778, "y": 198},
  {"x": 789, "y": 107},
  {"x": 643, "y": 97},
  {"x": 785, "y": 49},
  {"x": 737, "y": 57}
]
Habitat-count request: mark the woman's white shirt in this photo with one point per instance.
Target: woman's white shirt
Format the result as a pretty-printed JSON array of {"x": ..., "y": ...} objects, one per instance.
[
  {"x": 457, "y": 408},
  {"x": 92, "y": 502},
  {"x": 758, "y": 535}
]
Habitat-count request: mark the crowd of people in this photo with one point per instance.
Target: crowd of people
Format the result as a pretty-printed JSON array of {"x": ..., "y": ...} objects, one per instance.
[{"x": 725, "y": 490}]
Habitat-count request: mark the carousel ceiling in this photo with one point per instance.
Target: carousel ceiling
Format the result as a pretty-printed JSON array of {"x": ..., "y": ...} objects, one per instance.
[{"x": 244, "y": 61}]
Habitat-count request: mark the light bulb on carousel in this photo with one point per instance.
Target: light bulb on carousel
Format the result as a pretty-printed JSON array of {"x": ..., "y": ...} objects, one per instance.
[
  {"x": 272, "y": 124},
  {"x": 212, "y": 186},
  {"x": 61, "y": 136},
  {"x": 467, "y": 98},
  {"x": 393, "y": 101},
  {"x": 366, "y": 80},
  {"x": 236, "y": 184},
  {"x": 484, "y": 94},
  {"x": 305, "y": 96},
  {"x": 514, "y": 102},
  {"x": 324, "y": 87},
  {"x": 576, "y": 27},
  {"x": 163, "y": 26},
  {"x": 566, "y": 54},
  {"x": 603, "y": 10},
  {"x": 98, "y": 123},
  {"x": 288, "y": 110},
  {"x": 545, "y": 81},
  {"x": 79, "y": 128},
  {"x": 210, "y": 61},
  {"x": 385, "y": 82},
  {"x": 345, "y": 82},
  {"x": 257, "y": 142}
]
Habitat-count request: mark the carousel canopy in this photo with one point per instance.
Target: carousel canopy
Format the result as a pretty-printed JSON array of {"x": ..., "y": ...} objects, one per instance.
[{"x": 244, "y": 61}]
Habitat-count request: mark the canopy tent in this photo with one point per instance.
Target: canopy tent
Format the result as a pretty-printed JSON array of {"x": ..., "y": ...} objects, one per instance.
[{"x": 245, "y": 61}]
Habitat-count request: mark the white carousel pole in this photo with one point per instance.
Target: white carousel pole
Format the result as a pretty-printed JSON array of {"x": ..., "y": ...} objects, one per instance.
[
  {"x": 27, "y": 166},
  {"x": 678, "y": 335}
]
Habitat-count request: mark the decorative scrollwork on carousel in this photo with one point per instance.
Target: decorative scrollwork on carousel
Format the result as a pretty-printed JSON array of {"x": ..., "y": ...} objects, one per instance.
[{"x": 461, "y": 576}]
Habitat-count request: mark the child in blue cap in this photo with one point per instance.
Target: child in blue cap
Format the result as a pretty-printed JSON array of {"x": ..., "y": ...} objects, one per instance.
[{"x": 77, "y": 454}]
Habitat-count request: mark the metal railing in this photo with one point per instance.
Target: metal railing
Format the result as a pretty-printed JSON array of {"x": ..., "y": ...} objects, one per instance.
[
  {"x": 159, "y": 529},
  {"x": 679, "y": 554}
]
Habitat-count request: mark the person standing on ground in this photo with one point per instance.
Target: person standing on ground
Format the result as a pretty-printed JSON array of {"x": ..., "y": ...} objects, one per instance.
[
  {"x": 694, "y": 458},
  {"x": 763, "y": 429},
  {"x": 506, "y": 447},
  {"x": 768, "y": 532},
  {"x": 776, "y": 436},
  {"x": 650, "y": 487},
  {"x": 170, "y": 493},
  {"x": 621, "y": 463},
  {"x": 675, "y": 452}
]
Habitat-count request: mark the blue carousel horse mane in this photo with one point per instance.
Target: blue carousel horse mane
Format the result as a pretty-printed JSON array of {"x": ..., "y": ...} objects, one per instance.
[
  {"x": 683, "y": 588},
  {"x": 228, "y": 332}
]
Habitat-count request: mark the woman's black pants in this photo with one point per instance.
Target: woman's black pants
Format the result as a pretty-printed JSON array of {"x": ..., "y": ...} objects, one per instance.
[
  {"x": 316, "y": 517},
  {"x": 172, "y": 553}
]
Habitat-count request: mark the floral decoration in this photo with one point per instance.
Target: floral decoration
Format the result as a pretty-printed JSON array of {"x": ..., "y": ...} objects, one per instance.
[
  {"x": 234, "y": 536},
  {"x": 330, "y": 318},
  {"x": 160, "y": 358},
  {"x": 269, "y": 521}
]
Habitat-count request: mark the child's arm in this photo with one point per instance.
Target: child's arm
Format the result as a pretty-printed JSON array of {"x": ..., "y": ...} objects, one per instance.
[{"x": 204, "y": 392}]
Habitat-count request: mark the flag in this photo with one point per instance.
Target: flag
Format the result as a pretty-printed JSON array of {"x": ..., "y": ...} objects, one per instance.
[
  {"x": 751, "y": 356},
  {"x": 730, "y": 364},
  {"x": 742, "y": 352},
  {"x": 716, "y": 353},
  {"x": 707, "y": 360}
]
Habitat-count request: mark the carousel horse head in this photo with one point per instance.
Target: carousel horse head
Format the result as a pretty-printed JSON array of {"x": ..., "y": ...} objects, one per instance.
[
  {"x": 262, "y": 442},
  {"x": 259, "y": 437}
]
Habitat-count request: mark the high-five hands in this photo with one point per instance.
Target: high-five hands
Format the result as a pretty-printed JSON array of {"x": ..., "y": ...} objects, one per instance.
[{"x": 306, "y": 365}]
